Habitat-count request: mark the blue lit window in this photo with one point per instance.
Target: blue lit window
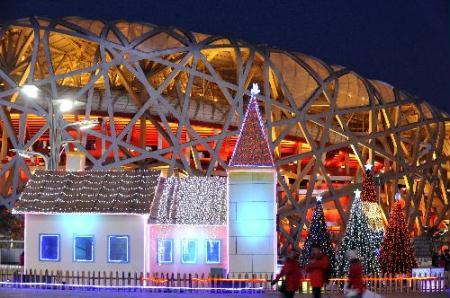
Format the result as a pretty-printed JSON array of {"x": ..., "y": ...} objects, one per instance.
[
  {"x": 165, "y": 251},
  {"x": 188, "y": 251},
  {"x": 49, "y": 247},
  {"x": 213, "y": 249},
  {"x": 83, "y": 249},
  {"x": 118, "y": 249}
]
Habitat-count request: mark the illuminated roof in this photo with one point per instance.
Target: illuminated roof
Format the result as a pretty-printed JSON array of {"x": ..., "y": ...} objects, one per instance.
[
  {"x": 111, "y": 192},
  {"x": 190, "y": 200}
]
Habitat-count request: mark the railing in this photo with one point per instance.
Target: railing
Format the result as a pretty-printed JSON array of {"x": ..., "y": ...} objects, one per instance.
[{"x": 157, "y": 282}]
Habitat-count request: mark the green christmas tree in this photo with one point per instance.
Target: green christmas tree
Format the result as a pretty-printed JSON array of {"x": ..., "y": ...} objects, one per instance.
[
  {"x": 360, "y": 238},
  {"x": 318, "y": 236},
  {"x": 397, "y": 254}
]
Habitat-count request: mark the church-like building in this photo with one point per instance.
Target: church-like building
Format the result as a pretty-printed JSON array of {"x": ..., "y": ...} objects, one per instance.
[{"x": 140, "y": 221}]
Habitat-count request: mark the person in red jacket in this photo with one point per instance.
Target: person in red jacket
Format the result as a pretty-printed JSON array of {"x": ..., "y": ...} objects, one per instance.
[
  {"x": 355, "y": 274},
  {"x": 317, "y": 268},
  {"x": 292, "y": 272}
]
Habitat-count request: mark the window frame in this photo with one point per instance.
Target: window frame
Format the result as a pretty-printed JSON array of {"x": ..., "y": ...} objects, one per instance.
[
  {"x": 74, "y": 248},
  {"x": 58, "y": 259},
  {"x": 172, "y": 251},
  {"x": 109, "y": 249},
  {"x": 196, "y": 251},
  {"x": 220, "y": 251}
]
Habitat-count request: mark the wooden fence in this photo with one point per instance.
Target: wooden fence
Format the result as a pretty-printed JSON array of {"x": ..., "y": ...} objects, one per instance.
[{"x": 255, "y": 283}]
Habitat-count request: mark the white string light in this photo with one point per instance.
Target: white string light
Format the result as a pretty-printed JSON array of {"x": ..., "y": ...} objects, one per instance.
[
  {"x": 105, "y": 192},
  {"x": 191, "y": 201}
]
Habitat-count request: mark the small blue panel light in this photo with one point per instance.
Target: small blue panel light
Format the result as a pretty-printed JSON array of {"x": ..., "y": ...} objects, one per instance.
[
  {"x": 83, "y": 249},
  {"x": 165, "y": 251},
  {"x": 213, "y": 251},
  {"x": 118, "y": 249},
  {"x": 189, "y": 251},
  {"x": 49, "y": 247}
]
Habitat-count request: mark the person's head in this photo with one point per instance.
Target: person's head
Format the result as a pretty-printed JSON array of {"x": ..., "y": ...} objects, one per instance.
[
  {"x": 315, "y": 250},
  {"x": 352, "y": 255},
  {"x": 292, "y": 254}
]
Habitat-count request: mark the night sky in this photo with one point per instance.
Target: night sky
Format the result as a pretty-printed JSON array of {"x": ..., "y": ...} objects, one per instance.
[{"x": 403, "y": 42}]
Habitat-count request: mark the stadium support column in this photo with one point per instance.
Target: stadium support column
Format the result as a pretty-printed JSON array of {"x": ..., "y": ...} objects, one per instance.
[{"x": 252, "y": 220}]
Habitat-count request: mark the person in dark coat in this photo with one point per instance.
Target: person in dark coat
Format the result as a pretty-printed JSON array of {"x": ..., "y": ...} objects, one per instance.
[
  {"x": 446, "y": 260},
  {"x": 317, "y": 268},
  {"x": 435, "y": 259},
  {"x": 355, "y": 274},
  {"x": 293, "y": 274}
]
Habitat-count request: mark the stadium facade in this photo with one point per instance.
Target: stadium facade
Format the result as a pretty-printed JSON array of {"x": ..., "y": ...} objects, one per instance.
[{"x": 171, "y": 99}]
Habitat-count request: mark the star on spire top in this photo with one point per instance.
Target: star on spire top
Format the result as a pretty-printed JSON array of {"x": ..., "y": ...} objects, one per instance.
[
  {"x": 368, "y": 166},
  {"x": 319, "y": 198},
  {"x": 357, "y": 193},
  {"x": 397, "y": 197},
  {"x": 255, "y": 89}
]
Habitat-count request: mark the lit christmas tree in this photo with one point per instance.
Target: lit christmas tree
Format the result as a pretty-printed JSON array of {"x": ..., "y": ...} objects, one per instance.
[
  {"x": 397, "y": 254},
  {"x": 371, "y": 207},
  {"x": 369, "y": 192},
  {"x": 359, "y": 237},
  {"x": 318, "y": 236}
]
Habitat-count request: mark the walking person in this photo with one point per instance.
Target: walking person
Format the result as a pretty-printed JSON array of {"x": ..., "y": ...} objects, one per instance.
[
  {"x": 446, "y": 258},
  {"x": 355, "y": 286},
  {"x": 291, "y": 271},
  {"x": 317, "y": 269}
]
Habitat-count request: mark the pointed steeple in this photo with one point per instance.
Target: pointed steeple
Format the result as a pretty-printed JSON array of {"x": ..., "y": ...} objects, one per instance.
[{"x": 252, "y": 147}]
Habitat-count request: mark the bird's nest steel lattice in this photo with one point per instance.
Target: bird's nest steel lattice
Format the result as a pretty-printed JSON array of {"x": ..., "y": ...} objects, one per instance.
[{"x": 173, "y": 99}]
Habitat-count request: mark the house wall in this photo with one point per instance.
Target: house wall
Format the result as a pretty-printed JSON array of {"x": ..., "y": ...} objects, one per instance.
[
  {"x": 179, "y": 232},
  {"x": 100, "y": 226},
  {"x": 252, "y": 220}
]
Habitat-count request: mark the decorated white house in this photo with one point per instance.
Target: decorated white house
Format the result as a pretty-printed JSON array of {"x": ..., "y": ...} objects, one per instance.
[
  {"x": 188, "y": 226},
  {"x": 88, "y": 220},
  {"x": 138, "y": 221}
]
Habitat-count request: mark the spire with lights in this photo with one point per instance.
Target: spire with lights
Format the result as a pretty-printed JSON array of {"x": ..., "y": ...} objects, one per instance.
[
  {"x": 397, "y": 253},
  {"x": 252, "y": 147},
  {"x": 318, "y": 235},
  {"x": 359, "y": 237}
]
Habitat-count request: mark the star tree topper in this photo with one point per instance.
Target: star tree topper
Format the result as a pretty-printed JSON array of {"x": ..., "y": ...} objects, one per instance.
[
  {"x": 255, "y": 89},
  {"x": 357, "y": 193},
  {"x": 368, "y": 166}
]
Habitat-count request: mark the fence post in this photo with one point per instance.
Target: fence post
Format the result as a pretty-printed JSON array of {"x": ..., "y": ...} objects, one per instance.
[{"x": 147, "y": 282}]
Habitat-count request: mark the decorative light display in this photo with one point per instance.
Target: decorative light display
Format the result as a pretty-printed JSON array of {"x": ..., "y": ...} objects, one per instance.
[
  {"x": 318, "y": 236},
  {"x": 252, "y": 147},
  {"x": 369, "y": 192},
  {"x": 359, "y": 237},
  {"x": 397, "y": 254},
  {"x": 371, "y": 207},
  {"x": 191, "y": 201},
  {"x": 105, "y": 192}
]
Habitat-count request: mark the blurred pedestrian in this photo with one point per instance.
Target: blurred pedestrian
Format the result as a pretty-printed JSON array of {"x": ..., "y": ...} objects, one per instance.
[
  {"x": 355, "y": 285},
  {"x": 435, "y": 259},
  {"x": 291, "y": 272},
  {"x": 317, "y": 269},
  {"x": 446, "y": 260}
]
